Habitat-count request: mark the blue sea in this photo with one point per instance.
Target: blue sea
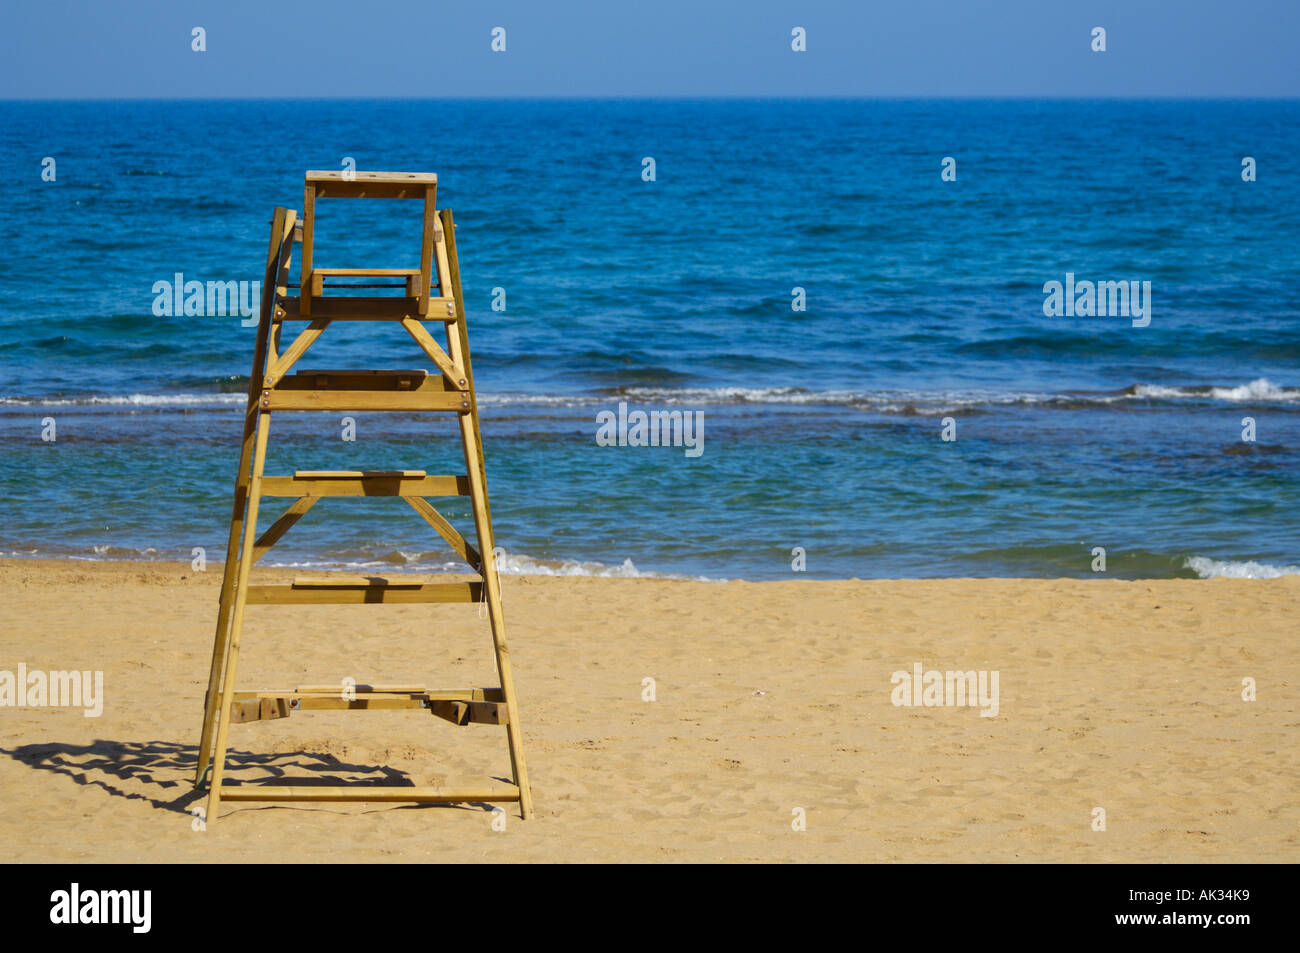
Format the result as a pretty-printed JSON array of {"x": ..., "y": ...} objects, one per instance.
[{"x": 823, "y": 440}]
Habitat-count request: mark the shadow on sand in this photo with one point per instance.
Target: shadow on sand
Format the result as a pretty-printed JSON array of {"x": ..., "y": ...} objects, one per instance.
[{"x": 161, "y": 772}]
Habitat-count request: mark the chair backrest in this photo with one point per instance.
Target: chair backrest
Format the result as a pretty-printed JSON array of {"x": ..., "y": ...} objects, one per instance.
[{"x": 371, "y": 185}]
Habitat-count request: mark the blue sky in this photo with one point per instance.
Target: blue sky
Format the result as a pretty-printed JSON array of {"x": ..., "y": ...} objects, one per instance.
[{"x": 423, "y": 48}]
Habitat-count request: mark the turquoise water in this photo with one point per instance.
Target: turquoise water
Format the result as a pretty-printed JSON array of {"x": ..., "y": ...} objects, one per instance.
[{"x": 822, "y": 427}]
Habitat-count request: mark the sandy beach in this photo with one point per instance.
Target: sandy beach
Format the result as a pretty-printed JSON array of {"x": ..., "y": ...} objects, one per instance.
[{"x": 768, "y": 697}]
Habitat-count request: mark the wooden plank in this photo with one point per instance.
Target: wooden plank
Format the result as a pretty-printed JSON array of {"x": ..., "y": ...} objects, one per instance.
[
  {"x": 305, "y": 339},
  {"x": 450, "y": 369},
  {"x": 398, "y": 178},
  {"x": 363, "y": 701},
  {"x": 366, "y": 486},
  {"x": 339, "y": 689},
  {"x": 367, "y": 308},
  {"x": 227, "y": 691},
  {"x": 257, "y": 709},
  {"x": 362, "y": 400},
  {"x": 447, "y": 532},
  {"x": 365, "y": 594},
  {"x": 470, "y": 712},
  {"x": 366, "y": 272},
  {"x": 442, "y": 267},
  {"x": 280, "y": 245},
  {"x": 480, "y": 706},
  {"x": 350, "y": 378},
  {"x": 444, "y": 694},
  {"x": 370, "y": 792},
  {"x": 342, "y": 175},
  {"x": 336, "y": 580},
  {"x": 281, "y": 526},
  {"x": 471, "y": 439},
  {"x": 427, "y": 238},
  {"x": 369, "y": 190},
  {"x": 308, "y": 241},
  {"x": 462, "y": 354},
  {"x": 410, "y": 280},
  {"x": 371, "y": 185},
  {"x": 356, "y": 474}
]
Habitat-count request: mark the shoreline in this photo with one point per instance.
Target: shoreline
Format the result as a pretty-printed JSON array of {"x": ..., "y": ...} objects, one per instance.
[
  {"x": 1243, "y": 573},
  {"x": 769, "y": 696}
]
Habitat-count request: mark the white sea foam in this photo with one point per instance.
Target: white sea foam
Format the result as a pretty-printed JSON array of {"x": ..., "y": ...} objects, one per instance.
[
  {"x": 518, "y": 564},
  {"x": 509, "y": 564},
  {"x": 129, "y": 400},
  {"x": 541, "y": 400},
  {"x": 1260, "y": 390},
  {"x": 893, "y": 401},
  {"x": 1208, "y": 568}
]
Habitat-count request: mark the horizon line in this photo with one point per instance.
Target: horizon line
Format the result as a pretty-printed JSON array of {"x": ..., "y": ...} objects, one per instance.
[{"x": 754, "y": 97}]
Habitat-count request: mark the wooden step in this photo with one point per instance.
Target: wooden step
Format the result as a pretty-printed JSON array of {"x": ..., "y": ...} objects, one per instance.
[
  {"x": 413, "y": 483},
  {"x": 489, "y": 792},
  {"x": 366, "y": 272},
  {"x": 339, "y": 689},
  {"x": 360, "y": 590},
  {"x": 407, "y": 390},
  {"x": 439, "y": 694},
  {"x": 469, "y": 706},
  {"x": 371, "y": 308},
  {"x": 357, "y": 474}
]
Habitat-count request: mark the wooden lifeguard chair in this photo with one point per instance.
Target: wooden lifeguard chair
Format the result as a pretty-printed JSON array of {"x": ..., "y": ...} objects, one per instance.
[{"x": 430, "y": 294}]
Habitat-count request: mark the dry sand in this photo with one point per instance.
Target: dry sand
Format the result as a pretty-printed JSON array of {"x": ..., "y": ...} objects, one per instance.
[{"x": 770, "y": 697}]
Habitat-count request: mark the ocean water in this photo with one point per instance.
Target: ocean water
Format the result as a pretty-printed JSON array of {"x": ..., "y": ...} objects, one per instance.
[{"x": 822, "y": 427}]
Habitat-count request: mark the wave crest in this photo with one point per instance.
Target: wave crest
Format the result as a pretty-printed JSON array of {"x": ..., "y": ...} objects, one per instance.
[{"x": 1208, "y": 568}]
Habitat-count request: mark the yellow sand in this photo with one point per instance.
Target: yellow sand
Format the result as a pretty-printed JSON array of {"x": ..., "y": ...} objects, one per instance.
[{"x": 769, "y": 697}]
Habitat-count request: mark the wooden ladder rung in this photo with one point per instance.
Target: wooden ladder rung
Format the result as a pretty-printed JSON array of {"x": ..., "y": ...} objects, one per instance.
[
  {"x": 412, "y": 281},
  {"x": 439, "y": 694},
  {"x": 351, "y": 372},
  {"x": 369, "y": 792},
  {"x": 339, "y": 689},
  {"x": 365, "y": 483},
  {"x": 351, "y": 308},
  {"x": 459, "y": 708},
  {"x": 362, "y": 590},
  {"x": 365, "y": 272},
  {"x": 358, "y": 474},
  {"x": 406, "y": 390},
  {"x": 425, "y": 399}
]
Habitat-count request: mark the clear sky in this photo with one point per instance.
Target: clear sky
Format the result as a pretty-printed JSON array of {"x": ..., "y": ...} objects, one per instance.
[{"x": 425, "y": 48}]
